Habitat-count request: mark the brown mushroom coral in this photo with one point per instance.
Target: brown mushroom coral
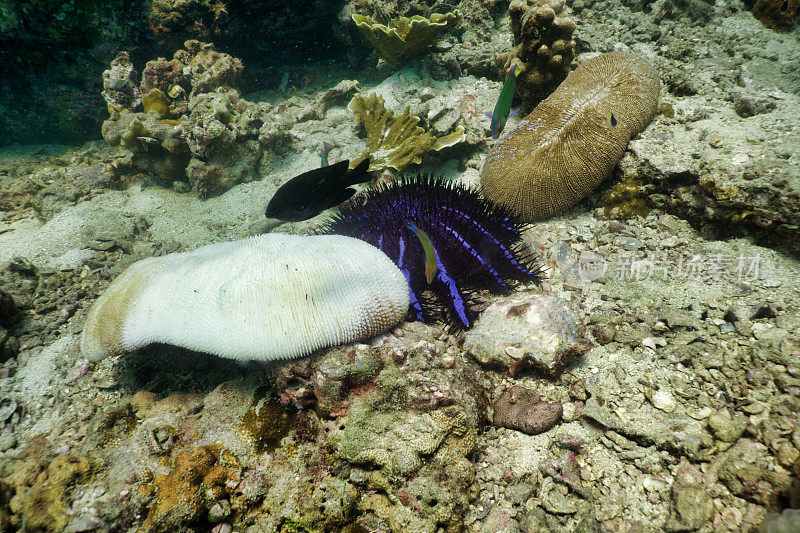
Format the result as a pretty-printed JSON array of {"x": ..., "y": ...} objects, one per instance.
[{"x": 572, "y": 140}]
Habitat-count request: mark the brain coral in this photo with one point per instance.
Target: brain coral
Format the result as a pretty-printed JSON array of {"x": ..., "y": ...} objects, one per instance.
[
  {"x": 574, "y": 138},
  {"x": 269, "y": 297}
]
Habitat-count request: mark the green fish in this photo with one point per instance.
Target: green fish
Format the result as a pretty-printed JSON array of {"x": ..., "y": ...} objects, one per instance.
[
  {"x": 323, "y": 153},
  {"x": 430, "y": 251},
  {"x": 503, "y": 107}
]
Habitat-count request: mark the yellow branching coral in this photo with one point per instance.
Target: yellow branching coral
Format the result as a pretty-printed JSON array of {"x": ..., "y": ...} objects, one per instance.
[
  {"x": 405, "y": 36},
  {"x": 394, "y": 140}
]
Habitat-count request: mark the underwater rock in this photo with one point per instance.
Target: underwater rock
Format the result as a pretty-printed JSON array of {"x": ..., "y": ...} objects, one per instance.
[
  {"x": 394, "y": 141},
  {"x": 316, "y": 109},
  {"x": 746, "y": 470},
  {"x": 521, "y": 409},
  {"x": 233, "y": 454},
  {"x": 155, "y": 145},
  {"x": 412, "y": 436},
  {"x": 543, "y": 35},
  {"x": 222, "y": 132},
  {"x": 691, "y": 500},
  {"x": 727, "y": 426},
  {"x": 189, "y": 122},
  {"x": 171, "y": 77},
  {"x": 776, "y": 14},
  {"x": 572, "y": 140},
  {"x": 269, "y": 297},
  {"x": 404, "y": 36},
  {"x": 520, "y": 332},
  {"x": 729, "y": 186},
  {"x": 209, "y": 69},
  {"x": 168, "y": 18},
  {"x": 326, "y": 382},
  {"x": 669, "y": 431},
  {"x": 120, "y": 84}
]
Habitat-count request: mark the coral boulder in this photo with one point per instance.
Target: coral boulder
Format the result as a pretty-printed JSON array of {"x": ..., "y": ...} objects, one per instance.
[{"x": 543, "y": 35}]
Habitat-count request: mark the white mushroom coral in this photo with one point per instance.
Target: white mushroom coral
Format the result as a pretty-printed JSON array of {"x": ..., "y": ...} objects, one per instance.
[{"x": 268, "y": 297}]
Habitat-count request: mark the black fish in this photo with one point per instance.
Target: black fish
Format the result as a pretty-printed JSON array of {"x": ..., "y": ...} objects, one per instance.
[{"x": 307, "y": 195}]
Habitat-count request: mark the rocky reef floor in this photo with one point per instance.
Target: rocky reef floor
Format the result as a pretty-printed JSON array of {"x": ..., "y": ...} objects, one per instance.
[{"x": 678, "y": 331}]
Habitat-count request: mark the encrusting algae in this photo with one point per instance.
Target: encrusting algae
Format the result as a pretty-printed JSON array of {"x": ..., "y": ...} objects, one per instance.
[
  {"x": 266, "y": 422},
  {"x": 624, "y": 200}
]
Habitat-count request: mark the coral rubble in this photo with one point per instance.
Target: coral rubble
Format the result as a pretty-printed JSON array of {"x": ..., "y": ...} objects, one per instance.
[
  {"x": 186, "y": 120},
  {"x": 394, "y": 141},
  {"x": 544, "y": 48}
]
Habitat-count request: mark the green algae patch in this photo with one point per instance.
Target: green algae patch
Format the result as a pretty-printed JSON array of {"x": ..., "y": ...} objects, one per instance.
[
  {"x": 394, "y": 140},
  {"x": 155, "y": 103},
  {"x": 624, "y": 200},
  {"x": 266, "y": 422},
  {"x": 405, "y": 36},
  {"x": 43, "y": 493}
]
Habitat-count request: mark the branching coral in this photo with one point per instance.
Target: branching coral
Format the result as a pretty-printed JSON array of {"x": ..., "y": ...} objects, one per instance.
[
  {"x": 544, "y": 48},
  {"x": 394, "y": 141},
  {"x": 405, "y": 36}
]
